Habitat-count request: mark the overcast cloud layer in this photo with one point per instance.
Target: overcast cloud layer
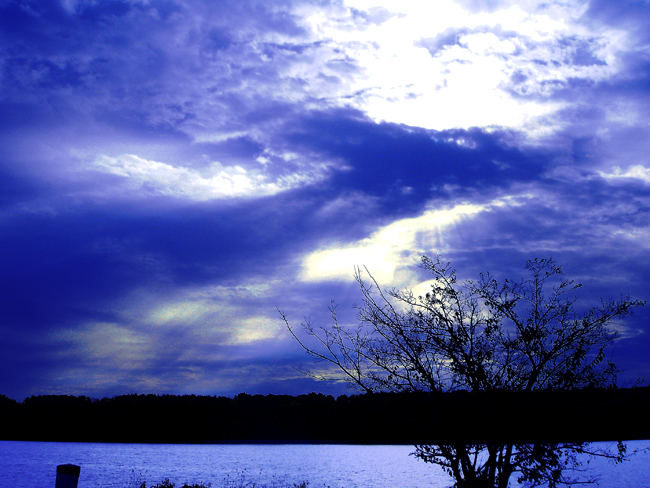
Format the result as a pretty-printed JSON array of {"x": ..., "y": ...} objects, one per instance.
[{"x": 171, "y": 172}]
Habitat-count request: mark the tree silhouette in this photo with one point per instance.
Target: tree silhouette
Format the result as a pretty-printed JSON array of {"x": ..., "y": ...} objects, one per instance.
[{"x": 480, "y": 336}]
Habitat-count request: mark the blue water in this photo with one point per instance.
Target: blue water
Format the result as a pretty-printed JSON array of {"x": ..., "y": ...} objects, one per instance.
[{"x": 33, "y": 465}]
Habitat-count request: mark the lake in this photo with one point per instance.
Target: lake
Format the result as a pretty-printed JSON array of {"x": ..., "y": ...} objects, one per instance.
[{"x": 33, "y": 465}]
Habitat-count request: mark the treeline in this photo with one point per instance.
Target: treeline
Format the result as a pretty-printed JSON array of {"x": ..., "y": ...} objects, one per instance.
[{"x": 390, "y": 418}]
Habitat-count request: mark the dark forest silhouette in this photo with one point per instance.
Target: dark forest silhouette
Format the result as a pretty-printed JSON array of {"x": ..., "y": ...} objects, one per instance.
[{"x": 385, "y": 418}]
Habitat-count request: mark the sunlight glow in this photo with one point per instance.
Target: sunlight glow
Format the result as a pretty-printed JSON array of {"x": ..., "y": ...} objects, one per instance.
[
  {"x": 390, "y": 252},
  {"x": 435, "y": 65},
  {"x": 387, "y": 249}
]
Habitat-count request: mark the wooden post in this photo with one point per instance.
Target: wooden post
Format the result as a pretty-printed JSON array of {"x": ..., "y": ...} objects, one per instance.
[{"x": 67, "y": 476}]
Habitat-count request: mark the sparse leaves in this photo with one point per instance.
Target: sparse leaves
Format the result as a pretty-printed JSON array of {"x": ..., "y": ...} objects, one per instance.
[{"x": 517, "y": 336}]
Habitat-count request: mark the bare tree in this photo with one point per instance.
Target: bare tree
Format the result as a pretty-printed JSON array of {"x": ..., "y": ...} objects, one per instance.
[{"x": 483, "y": 336}]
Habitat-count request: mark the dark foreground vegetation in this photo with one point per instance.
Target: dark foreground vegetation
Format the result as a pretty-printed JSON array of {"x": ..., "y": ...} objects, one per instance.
[
  {"x": 228, "y": 484},
  {"x": 588, "y": 414}
]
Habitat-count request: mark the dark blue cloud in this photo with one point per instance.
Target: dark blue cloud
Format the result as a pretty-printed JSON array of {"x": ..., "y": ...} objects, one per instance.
[
  {"x": 635, "y": 81},
  {"x": 582, "y": 51},
  {"x": 84, "y": 252},
  {"x": 15, "y": 115},
  {"x": 126, "y": 53},
  {"x": 104, "y": 11},
  {"x": 15, "y": 188},
  {"x": 412, "y": 165},
  {"x": 631, "y": 15},
  {"x": 236, "y": 149}
]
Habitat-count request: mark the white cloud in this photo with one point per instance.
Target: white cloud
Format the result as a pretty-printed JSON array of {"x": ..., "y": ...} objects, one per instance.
[
  {"x": 637, "y": 171},
  {"x": 214, "y": 183},
  {"x": 391, "y": 247},
  {"x": 185, "y": 311},
  {"x": 476, "y": 81},
  {"x": 109, "y": 344},
  {"x": 253, "y": 329},
  {"x": 197, "y": 324},
  {"x": 208, "y": 315},
  {"x": 390, "y": 252},
  {"x": 501, "y": 71}
]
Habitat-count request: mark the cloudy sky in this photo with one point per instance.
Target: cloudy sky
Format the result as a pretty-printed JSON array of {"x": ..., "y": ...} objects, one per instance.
[{"x": 171, "y": 172}]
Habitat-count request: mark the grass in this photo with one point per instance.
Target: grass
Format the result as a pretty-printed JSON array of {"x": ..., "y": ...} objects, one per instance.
[
  {"x": 168, "y": 484},
  {"x": 228, "y": 482}
]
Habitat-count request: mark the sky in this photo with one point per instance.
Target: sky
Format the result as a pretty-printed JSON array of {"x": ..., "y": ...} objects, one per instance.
[{"x": 172, "y": 172}]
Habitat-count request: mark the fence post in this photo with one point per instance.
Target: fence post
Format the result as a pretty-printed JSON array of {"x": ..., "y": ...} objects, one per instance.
[{"x": 67, "y": 476}]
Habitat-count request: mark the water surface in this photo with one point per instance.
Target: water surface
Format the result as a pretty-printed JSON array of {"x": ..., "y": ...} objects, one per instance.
[{"x": 33, "y": 465}]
